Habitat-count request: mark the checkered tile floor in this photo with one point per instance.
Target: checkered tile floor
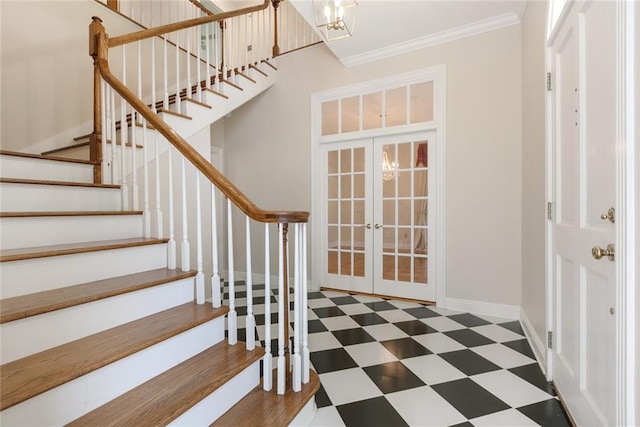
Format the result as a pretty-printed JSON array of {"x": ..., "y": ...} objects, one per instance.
[{"x": 392, "y": 363}]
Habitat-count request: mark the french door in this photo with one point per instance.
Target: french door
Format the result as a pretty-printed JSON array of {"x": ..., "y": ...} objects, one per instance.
[{"x": 376, "y": 196}]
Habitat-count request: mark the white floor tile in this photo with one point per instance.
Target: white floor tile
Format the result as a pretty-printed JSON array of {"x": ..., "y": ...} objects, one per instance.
[
  {"x": 432, "y": 369},
  {"x": 323, "y": 341},
  {"x": 371, "y": 353},
  {"x": 511, "y": 389},
  {"x": 311, "y": 315},
  {"x": 507, "y": 418},
  {"x": 348, "y": 385},
  {"x": 327, "y": 417},
  {"x": 339, "y": 322},
  {"x": 320, "y": 302},
  {"x": 497, "y": 333},
  {"x": 259, "y": 309},
  {"x": 385, "y": 332},
  {"x": 502, "y": 356},
  {"x": 443, "y": 324},
  {"x": 424, "y": 407},
  {"x": 332, "y": 294},
  {"x": 395, "y": 316},
  {"x": 439, "y": 343},
  {"x": 351, "y": 309}
]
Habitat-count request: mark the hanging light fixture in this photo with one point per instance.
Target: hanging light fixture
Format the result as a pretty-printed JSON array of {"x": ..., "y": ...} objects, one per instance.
[
  {"x": 389, "y": 169},
  {"x": 335, "y": 18}
]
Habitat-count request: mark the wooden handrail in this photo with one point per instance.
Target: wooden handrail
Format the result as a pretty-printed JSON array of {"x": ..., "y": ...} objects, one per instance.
[
  {"x": 169, "y": 28},
  {"x": 99, "y": 48},
  {"x": 199, "y": 5}
]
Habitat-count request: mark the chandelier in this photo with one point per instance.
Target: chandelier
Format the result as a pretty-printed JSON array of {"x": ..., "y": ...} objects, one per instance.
[
  {"x": 335, "y": 18},
  {"x": 389, "y": 169}
]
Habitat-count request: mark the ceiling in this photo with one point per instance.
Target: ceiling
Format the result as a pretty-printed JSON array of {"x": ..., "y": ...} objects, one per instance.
[{"x": 385, "y": 28}]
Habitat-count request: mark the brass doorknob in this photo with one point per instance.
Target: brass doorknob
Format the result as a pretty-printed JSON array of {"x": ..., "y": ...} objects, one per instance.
[
  {"x": 378, "y": 226},
  {"x": 597, "y": 252},
  {"x": 367, "y": 226},
  {"x": 610, "y": 215}
]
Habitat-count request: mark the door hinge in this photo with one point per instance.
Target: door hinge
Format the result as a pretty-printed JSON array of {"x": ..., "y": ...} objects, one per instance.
[
  {"x": 548, "y": 81},
  {"x": 550, "y": 340},
  {"x": 549, "y": 210}
]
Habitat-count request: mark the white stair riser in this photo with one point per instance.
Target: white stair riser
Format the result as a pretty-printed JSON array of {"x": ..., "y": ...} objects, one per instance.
[
  {"x": 69, "y": 401},
  {"x": 77, "y": 322},
  {"x": 58, "y": 230},
  {"x": 42, "y": 274},
  {"x": 39, "y": 198},
  {"x": 51, "y": 170},
  {"x": 217, "y": 403}
]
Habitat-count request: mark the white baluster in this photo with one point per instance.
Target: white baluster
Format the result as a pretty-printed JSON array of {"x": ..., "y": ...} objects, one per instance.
[
  {"x": 250, "y": 321},
  {"x": 153, "y": 75},
  {"x": 267, "y": 379},
  {"x": 215, "y": 274},
  {"x": 304, "y": 310},
  {"x": 188, "y": 58},
  {"x": 297, "y": 363},
  {"x": 232, "y": 316},
  {"x": 159, "y": 225},
  {"x": 218, "y": 46},
  {"x": 165, "y": 98},
  {"x": 186, "y": 262},
  {"x": 171, "y": 245},
  {"x": 146, "y": 214},
  {"x": 177, "y": 99},
  {"x": 123, "y": 139},
  {"x": 199, "y": 264},
  {"x": 113, "y": 153},
  {"x": 104, "y": 122},
  {"x": 207, "y": 42},
  {"x": 281, "y": 357},
  {"x": 135, "y": 192},
  {"x": 245, "y": 42}
]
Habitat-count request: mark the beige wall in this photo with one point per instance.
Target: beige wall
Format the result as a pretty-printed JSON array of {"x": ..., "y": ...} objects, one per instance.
[
  {"x": 533, "y": 167},
  {"x": 268, "y": 150}
]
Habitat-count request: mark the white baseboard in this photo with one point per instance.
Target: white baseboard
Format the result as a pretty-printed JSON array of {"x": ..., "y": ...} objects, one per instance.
[
  {"x": 538, "y": 347},
  {"x": 484, "y": 308}
]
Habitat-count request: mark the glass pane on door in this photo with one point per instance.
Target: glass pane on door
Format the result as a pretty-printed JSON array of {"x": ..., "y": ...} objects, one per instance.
[
  {"x": 404, "y": 212},
  {"x": 346, "y": 211}
]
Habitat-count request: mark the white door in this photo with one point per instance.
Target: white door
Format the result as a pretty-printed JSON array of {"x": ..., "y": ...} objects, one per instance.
[
  {"x": 376, "y": 194},
  {"x": 583, "y": 120}
]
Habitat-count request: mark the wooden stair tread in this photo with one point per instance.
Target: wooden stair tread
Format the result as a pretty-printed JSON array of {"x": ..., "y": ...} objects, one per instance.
[
  {"x": 167, "y": 396},
  {"x": 43, "y": 302},
  {"x": 264, "y": 61},
  {"x": 241, "y": 74},
  {"x": 43, "y": 157},
  {"x": 67, "y": 213},
  {"x": 195, "y": 101},
  {"x": 40, "y": 372},
  {"x": 61, "y": 183},
  {"x": 258, "y": 70},
  {"x": 68, "y": 147},
  {"x": 231, "y": 84},
  {"x": 267, "y": 408},
  {"x": 75, "y": 248},
  {"x": 217, "y": 93},
  {"x": 174, "y": 113}
]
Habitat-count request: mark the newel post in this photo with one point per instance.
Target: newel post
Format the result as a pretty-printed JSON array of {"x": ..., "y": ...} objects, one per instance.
[
  {"x": 98, "y": 51},
  {"x": 276, "y": 48}
]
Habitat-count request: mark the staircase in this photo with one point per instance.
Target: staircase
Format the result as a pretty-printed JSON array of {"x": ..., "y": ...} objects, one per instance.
[{"x": 96, "y": 330}]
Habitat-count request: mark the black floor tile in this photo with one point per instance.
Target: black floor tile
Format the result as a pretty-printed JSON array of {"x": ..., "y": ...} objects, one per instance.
[
  {"x": 464, "y": 424},
  {"x": 241, "y": 310},
  {"x": 380, "y": 306},
  {"x": 421, "y": 312},
  {"x": 331, "y": 360},
  {"x": 316, "y": 325},
  {"x": 546, "y": 413},
  {"x": 315, "y": 295},
  {"x": 469, "y": 320},
  {"x": 352, "y": 336},
  {"x": 469, "y": 398},
  {"x": 274, "y": 348},
  {"x": 323, "y": 312},
  {"x": 260, "y": 319},
  {"x": 468, "y": 337},
  {"x": 469, "y": 362},
  {"x": 322, "y": 399},
  {"x": 404, "y": 348},
  {"x": 260, "y": 300},
  {"x": 513, "y": 327},
  {"x": 367, "y": 319},
  {"x": 242, "y": 335},
  {"x": 415, "y": 327},
  {"x": 371, "y": 412},
  {"x": 393, "y": 376},
  {"x": 533, "y": 374},
  {"x": 521, "y": 346},
  {"x": 344, "y": 300},
  {"x": 237, "y": 294}
]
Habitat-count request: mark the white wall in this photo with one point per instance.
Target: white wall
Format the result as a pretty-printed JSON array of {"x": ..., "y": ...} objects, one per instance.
[
  {"x": 533, "y": 168},
  {"x": 267, "y": 149}
]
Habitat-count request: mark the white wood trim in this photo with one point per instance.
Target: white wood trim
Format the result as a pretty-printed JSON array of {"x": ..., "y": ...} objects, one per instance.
[
  {"x": 505, "y": 311},
  {"x": 538, "y": 347},
  {"x": 468, "y": 30}
]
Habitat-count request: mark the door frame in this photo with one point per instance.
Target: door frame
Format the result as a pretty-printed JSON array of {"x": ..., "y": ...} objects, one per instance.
[
  {"x": 437, "y": 74},
  {"x": 627, "y": 229}
]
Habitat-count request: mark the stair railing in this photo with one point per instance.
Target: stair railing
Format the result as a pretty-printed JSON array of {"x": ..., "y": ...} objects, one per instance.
[{"x": 139, "y": 123}]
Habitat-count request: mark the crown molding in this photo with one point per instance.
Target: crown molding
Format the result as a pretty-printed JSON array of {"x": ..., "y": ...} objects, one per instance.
[{"x": 472, "y": 29}]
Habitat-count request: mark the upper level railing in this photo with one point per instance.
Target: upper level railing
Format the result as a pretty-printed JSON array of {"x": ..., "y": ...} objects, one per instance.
[{"x": 127, "y": 108}]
